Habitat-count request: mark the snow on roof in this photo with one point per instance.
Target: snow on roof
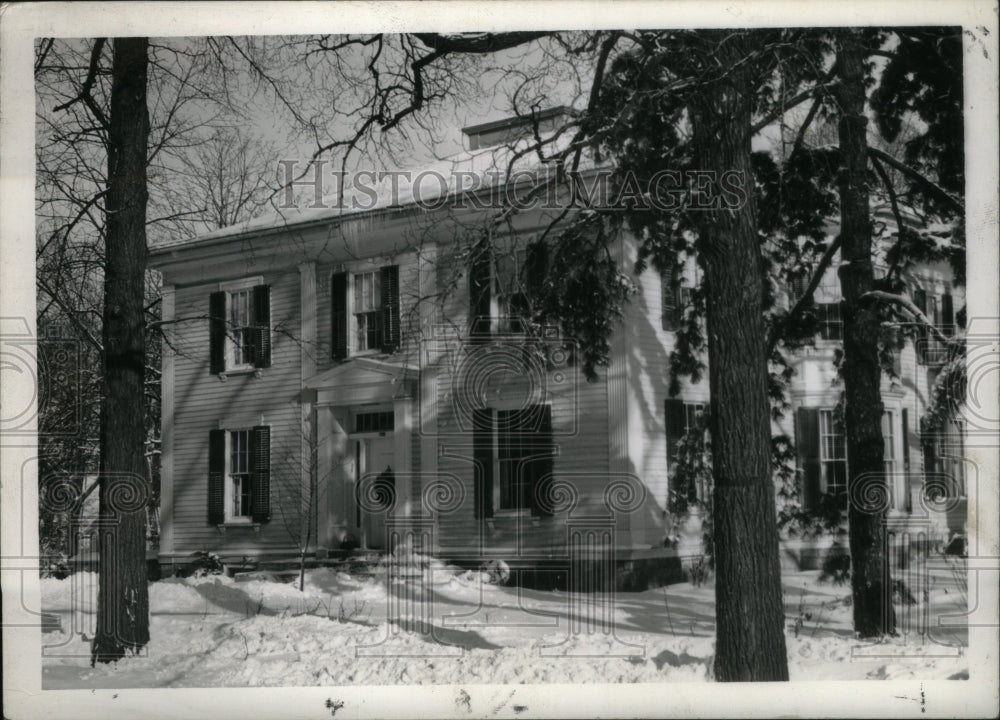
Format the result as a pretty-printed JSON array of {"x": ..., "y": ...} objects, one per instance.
[{"x": 370, "y": 193}]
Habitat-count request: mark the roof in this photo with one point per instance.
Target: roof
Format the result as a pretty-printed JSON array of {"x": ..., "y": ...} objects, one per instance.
[{"x": 460, "y": 172}]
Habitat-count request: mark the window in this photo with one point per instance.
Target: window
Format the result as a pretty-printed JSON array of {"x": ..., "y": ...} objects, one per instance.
[
  {"x": 895, "y": 480},
  {"x": 239, "y": 475},
  {"x": 940, "y": 311},
  {"x": 365, "y": 311},
  {"x": 505, "y": 286},
  {"x": 513, "y": 460},
  {"x": 513, "y": 448},
  {"x": 672, "y": 301},
  {"x": 944, "y": 459},
  {"x": 688, "y": 483},
  {"x": 238, "y": 487},
  {"x": 367, "y": 315},
  {"x": 833, "y": 455},
  {"x": 798, "y": 283},
  {"x": 830, "y": 325},
  {"x": 368, "y": 422},
  {"x": 240, "y": 328},
  {"x": 513, "y": 306}
]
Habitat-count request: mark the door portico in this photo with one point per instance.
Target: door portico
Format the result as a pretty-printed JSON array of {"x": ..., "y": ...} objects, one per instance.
[{"x": 363, "y": 421}]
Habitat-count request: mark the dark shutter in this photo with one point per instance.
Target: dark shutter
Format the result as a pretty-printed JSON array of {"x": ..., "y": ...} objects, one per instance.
[
  {"x": 536, "y": 269},
  {"x": 338, "y": 315},
  {"x": 907, "y": 495},
  {"x": 541, "y": 467},
  {"x": 390, "y": 308},
  {"x": 670, "y": 312},
  {"x": 261, "y": 336},
  {"x": 217, "y": 332},
  {"x": 260, "y": 476},
  {"x": 947, "y": 314},
  {"x": 807, "y": 446},
  {"x": 482, "y": 453},
  {"x": 920, "y": 300},
  {"x": 216, "y": 477},
  {"x": 674, "y": 413},
  {"x": 905, "y": 421},
  {"x": 479, "y": 292}
]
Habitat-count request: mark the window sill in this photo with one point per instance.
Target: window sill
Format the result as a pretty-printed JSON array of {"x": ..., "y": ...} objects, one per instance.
[
  {"x": 511, "y": 513},
  {"x": 248, "y": 370},
  {"x": 235, "y": 524}
]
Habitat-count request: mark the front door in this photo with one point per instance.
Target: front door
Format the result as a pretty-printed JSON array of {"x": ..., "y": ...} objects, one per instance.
[{"x": 377, "y": 475}]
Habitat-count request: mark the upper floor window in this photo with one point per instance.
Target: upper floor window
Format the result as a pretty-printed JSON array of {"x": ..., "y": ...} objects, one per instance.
[
  {"x": 365, "y": 311},
  {"x": 940, "y": 311},
  {"x": 673, "y": 300},
  {"x": 511, "y": 290},
  {"x": 505, "y": 286},
  {"x": 240, "y": 328},
  {"x": 830, "y": 325}
]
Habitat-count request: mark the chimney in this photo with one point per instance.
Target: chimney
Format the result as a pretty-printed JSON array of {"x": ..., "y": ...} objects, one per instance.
[{"x": 507, "y": 130}]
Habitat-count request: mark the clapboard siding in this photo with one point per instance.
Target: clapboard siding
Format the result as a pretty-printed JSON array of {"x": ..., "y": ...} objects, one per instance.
[{"x": 202, "y": 401}]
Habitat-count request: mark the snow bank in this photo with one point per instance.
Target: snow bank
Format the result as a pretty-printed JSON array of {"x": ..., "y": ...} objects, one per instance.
[{"x": 443, "y": 624}]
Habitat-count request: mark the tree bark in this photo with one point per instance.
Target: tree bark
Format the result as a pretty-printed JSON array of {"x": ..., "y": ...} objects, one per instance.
[
  {"x": 123, "y": 600},
  {"x": 867, "y": 487},
  {"x": 750, "y": 638}
]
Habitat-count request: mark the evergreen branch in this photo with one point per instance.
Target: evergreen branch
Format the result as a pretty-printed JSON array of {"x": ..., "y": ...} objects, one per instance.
[{"x": 778, "y": 329}]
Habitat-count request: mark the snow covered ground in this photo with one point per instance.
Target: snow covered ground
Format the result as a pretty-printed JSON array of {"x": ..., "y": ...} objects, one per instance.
[{"x": 445, "y": 625}]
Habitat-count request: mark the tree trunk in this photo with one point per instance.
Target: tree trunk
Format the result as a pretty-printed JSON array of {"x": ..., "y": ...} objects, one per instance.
[
  {"x": 123, "y": 600},
  {"x": 867, "y": 488},
  {"x": 750, "y": 638}
]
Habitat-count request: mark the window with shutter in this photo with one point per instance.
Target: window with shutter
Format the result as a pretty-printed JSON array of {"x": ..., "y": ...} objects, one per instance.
[
  {"x": 240, "y": 328},
  {"x": 514, "y": 456},
  {"x": 364, "y": 312},
  {"x": 239, "y": 476}
]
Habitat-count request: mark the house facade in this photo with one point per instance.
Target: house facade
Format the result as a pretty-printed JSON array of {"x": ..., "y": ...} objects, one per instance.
[{"x": 365, "y": 379}]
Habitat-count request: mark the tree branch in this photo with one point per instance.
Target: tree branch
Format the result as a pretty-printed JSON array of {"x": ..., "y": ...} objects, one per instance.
[
  {"x": 477, "y": 43},
  {"x": 777, "y": 330},
  {"x": 908, "y": 305},
  {"x": 88, "y": 85},
  {"x": 926, "y": 182}
]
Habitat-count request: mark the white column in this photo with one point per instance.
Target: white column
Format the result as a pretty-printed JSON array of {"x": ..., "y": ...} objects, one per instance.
[
  {"x": 427, "y": 382},
  {"x": 307, "y": 364},
  {"x": 324, "y": 474},
  {"x": 402, "y": 438},
  {"x": 167, "y": 309}
]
